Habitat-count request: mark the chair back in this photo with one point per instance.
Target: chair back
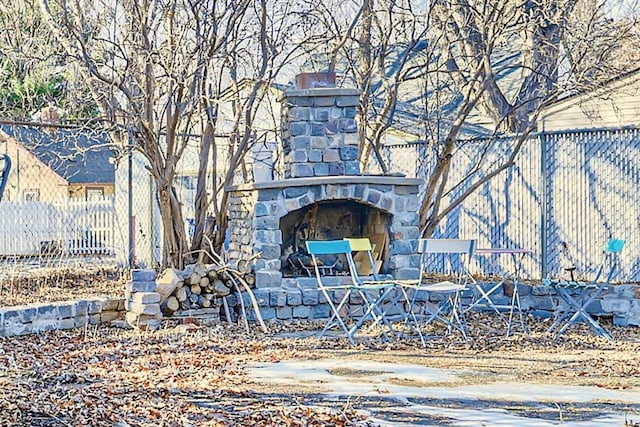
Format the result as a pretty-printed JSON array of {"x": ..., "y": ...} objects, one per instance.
[
  {"x": 613, "y": 249},
  {"x": 454, "y": 251},
  {"x": 615, "y": 245},
  {"x": 327, "y": 247},
  {"x": 359, "y": 243},
  {"x": 331, "y": 247},
  {"x": 363, "y": 244},
  {"x": 446, "y": 246}
]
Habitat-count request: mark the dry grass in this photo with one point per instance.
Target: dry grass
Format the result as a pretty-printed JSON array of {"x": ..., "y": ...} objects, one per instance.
[
  {"x": 194, "y": 373},
  {"x": 24, "y": 283}
]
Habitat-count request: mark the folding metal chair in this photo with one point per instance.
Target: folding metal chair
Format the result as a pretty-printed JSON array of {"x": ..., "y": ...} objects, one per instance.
[
  {"x": 455, "y": 252},
  {"x": 396, "y": 303},
  {"x": 575, "y": 308},
  {"x": 372, "y": 293}
]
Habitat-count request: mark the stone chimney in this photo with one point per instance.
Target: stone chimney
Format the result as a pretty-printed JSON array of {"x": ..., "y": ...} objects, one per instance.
[{"x": 319, "y": 131}]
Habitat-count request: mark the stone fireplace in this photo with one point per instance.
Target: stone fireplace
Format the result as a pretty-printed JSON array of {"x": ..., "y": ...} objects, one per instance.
[{"x": 323, "y": 195}]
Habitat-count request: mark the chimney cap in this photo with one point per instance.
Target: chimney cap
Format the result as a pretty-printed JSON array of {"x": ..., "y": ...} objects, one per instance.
[{"x": 316, "y": 80}]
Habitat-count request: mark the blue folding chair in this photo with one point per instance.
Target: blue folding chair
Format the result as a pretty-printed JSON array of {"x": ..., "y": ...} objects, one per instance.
[
  {"x": 372, "y": 293},
  {"x": 575, "y": 308}
]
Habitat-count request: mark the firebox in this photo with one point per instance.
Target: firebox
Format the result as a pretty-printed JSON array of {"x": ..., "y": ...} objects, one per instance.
[{"x": 330, "y": 220}]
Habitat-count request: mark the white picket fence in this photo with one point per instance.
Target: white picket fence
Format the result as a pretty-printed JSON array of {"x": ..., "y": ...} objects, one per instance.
[{"x": 62, "y": 228}]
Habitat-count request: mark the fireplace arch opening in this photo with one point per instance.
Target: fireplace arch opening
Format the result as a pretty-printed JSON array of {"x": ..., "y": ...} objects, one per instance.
[{"x": 330, "y": 220}]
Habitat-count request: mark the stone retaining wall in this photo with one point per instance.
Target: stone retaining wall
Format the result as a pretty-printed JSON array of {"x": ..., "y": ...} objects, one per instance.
[
  {"x": 298, "y": 299},
  {"x": 40, "y": 317},
  {"x": 142, "y": 302}
]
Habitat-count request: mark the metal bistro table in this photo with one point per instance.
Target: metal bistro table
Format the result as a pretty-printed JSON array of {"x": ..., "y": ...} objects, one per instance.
[{"x": 485, "y": 296}]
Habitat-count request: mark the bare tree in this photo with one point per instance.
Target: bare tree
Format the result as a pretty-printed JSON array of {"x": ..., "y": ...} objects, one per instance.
[
  {"x": 167, "y": 73},
  {"x": 33, "y": 75},
  {"x": 256, "y": 55},
  {"x": 147, "y": 65},
  {"x": 380, "y": 47},
  {"x": 158, "y": 71},
  {"x": 546, "y": 56},
  {"x": 390, "y": 48},
  {"x": 451, "y": 58}
]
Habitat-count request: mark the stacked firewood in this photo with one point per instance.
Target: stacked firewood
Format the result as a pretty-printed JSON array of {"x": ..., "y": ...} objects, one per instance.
[{"x": 201, "y": 286}]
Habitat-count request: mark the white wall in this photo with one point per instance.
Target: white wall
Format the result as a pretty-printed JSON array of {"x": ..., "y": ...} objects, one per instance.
[{"x": 616, "y": 105}]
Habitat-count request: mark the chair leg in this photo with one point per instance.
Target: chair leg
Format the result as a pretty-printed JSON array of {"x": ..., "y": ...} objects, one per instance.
[
  {"x": 455, "y": 319},
  {"x": 374, "y": 311},
  {"x": 410, "y": 319},
  {"x": 335, "y": 315},
  {"x": 577, "y": 311},
  {"x": 457, "y": 316},
  {"x": 581, "y": 313},
  {"x": 515, "y": 305}
]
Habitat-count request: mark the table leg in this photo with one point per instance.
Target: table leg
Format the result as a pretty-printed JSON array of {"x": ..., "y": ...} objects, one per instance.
[{"x": 515, "y": 303}]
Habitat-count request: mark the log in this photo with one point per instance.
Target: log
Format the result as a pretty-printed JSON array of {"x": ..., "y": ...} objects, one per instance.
[
  {"x": 204, "y": 282},
  {"x": 196, "y": 289},
  {"x": 250, "y": 279},
  {"x": 212, "y": 274},
  {"x": 200, "y": 270},
  {"x": 181, "y": 294},
  {"x": 244, "y": 266},
  {"x": 220, "y": 288},
  {"x": 173, "y": 304},
  {"x": 167, "y": 283},
  {"x": 205, "y": 303},
  {"x": 194, "y": 298},
  {"x": 194, "y": 278}
]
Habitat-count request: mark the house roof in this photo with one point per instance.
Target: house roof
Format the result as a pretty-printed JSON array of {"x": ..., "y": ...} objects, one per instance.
[{"x": 80, "y": 156}]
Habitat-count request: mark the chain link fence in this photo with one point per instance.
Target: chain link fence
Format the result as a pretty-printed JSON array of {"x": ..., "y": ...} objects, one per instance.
[{"x": 568, "y": 193}]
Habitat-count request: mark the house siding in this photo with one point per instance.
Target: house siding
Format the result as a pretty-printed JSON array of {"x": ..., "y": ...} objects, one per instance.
[
  {"x": 80, "y": 191},
  {"x": 611, "y": 107},
  {"x": 29, "y": 175}
]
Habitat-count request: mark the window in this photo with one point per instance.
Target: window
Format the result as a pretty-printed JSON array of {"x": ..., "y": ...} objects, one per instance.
[
  {"x": 95, "y": 193},
  {"x": 31, "y": 195}
]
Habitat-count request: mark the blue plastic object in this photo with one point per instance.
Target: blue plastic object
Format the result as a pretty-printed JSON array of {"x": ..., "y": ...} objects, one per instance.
[
  {"x": 615, "y": 245},
  {"x": 328, "y": 247}
]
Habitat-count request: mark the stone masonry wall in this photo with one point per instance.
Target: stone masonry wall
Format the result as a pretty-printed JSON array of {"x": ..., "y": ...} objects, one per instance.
[
  {"x": 40, "y": 317},
  {"x": 262, "y": 220},
  {"x": 320, "y": 133},
  {"x": 241, "y": 224},
  {"x": 298, "y": 299}
]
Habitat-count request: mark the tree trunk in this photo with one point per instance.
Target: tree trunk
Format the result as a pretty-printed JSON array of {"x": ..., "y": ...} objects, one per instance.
[{"x": 175, "y": 239}]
